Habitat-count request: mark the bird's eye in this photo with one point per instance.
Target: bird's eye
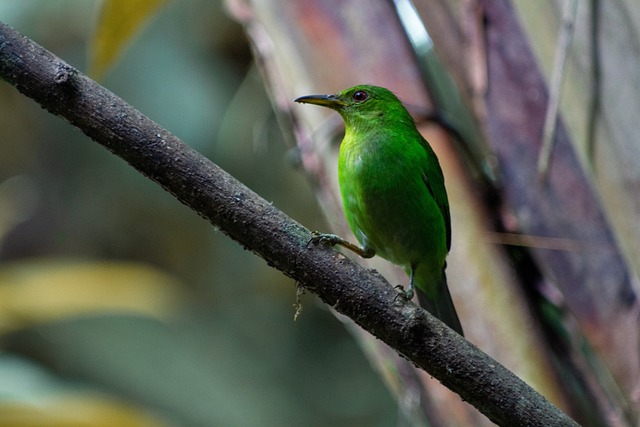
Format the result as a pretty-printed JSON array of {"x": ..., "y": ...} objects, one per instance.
[{"x": 360, "y": 96}]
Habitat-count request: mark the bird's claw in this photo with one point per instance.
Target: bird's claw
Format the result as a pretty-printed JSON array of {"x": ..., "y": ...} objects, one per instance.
[
  {"x": 406, "y": 295},
  {"x": 324, "y": 239}
]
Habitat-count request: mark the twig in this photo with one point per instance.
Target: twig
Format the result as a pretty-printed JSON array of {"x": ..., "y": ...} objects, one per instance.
[{"x": 551, "y": 117}]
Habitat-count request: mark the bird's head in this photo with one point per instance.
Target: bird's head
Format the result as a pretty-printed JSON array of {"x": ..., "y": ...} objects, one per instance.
[{"x": 362, "y": 106}]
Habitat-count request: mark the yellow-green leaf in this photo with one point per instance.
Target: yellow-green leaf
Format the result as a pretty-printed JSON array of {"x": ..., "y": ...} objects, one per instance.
[
  {"x": 75, "y": 410},
  {"x": 44, "y": 290},
  {"x": 118, "y": 22}
]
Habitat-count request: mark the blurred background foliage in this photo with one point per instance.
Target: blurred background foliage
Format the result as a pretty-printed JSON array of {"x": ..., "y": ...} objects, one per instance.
[{"x": 120, "y": 306}]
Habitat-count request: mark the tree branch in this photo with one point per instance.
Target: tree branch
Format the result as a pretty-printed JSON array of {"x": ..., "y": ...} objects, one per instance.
[{"x": 362, "y": 295}]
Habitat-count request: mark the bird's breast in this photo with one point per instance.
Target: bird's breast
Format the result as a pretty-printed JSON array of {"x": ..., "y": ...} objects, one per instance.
[{"x": 387, "y": 202}]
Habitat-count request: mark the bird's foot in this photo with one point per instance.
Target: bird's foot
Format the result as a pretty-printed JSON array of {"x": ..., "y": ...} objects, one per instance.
[
  {"x": 406, "y": 295},
  {"x": 325, "y": 239},
  {"x": 334, "y": 239}
]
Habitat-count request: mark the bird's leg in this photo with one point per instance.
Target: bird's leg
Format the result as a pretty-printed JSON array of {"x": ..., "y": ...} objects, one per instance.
[
  {"x": 334, "y": 239},
  {"x": 408, "y": 294}
]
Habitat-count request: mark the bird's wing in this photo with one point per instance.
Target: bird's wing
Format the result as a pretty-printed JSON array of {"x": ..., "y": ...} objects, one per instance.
[{"x": 433, "y": 178}]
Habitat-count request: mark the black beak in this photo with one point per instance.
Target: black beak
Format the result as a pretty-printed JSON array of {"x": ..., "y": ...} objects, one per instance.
[{"x": 330, "y": 101}]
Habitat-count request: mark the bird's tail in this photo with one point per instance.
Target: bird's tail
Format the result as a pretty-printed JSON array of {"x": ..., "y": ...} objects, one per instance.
[{"x": 439, "y": 304}]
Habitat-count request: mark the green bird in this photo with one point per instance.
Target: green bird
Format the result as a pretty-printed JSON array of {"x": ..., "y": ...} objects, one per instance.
[{"x": 393, "y": 193}]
